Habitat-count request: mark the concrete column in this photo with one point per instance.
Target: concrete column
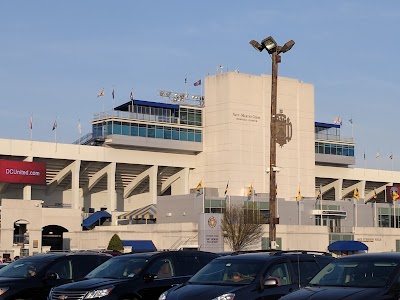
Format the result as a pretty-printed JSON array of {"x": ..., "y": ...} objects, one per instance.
[
  {"x": 112, "y": 194},
  {"x": 339, "y": 189},
  {"x": 153, "y": 184},
  {"x": 77, "y": 201}
]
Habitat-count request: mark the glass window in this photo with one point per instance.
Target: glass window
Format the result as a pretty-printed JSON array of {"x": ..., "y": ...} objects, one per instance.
[
  {"x": 280, "y": 272},
  {"x": 339, "y": 149},
  {"x": 167, "y": 133},
  {"x": 62, "y": 269},
  {"x": 183, "y": 134},
  {"x": 151, "y": 131},
  {"x": 351, "y": 151},
  {"x": 125, "y": 128},
  {"x": 143, "y": 130},
  {"x": 198, "y": 136},
  {"x": 190, "y": 136},
  {"x": 306, "y": 270},
  {"x": 109, "y": 129},
  {"x": 163, "y": 268},
  {"x": 134, "y": 129},
  {"x": 175, "y": 133},
  {"x": 197, "y": 119},
  {"x": 321, "y": 148},
  {"x": 184, "y": 116},
  {"x": 333, "y": 149},
  {"x": 116, "y": 127},
  {"x": 159, "y": 132},
  {"x": 345, "y": 150},
  {"x": 327, "y": 148}
]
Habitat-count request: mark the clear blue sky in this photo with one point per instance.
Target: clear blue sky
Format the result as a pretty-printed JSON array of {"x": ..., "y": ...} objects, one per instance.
[{"x": 56, "y": 56}]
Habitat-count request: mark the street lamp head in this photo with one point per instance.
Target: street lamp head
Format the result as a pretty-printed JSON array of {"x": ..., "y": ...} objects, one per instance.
[
  {"x": 269, "y": 44},
  {"x": 256, "y": 45},
  {"x": 287, "y": 46}
]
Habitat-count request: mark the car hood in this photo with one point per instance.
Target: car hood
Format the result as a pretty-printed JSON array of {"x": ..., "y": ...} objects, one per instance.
[
  {"x": 333, "y": 293},
  {"x": 8, "y": 281},
  {"x": 89, "y": 284},
  {"x": 200, "y": 291}
]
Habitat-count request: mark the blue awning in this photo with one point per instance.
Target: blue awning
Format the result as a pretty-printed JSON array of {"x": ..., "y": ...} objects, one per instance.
[
  {"x": 95, "y": 217},
  {"x": 347, "y": 246},
  {"x": 140, "y": 245}
]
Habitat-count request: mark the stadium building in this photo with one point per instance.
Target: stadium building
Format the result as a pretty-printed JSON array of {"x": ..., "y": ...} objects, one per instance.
[{"x": 163, "y": 171}]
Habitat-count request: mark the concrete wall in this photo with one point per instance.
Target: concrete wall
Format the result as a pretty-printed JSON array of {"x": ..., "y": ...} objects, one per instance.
[{"x": 237, "y": 135}]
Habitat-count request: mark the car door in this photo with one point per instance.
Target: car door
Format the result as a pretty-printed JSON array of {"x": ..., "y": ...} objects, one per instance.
[
  {"x": 305, "y": 269},
  {"x": 62, "y": 268},
  {"x": 162, "y": 274},
  {"x": 279, "y": 269}
]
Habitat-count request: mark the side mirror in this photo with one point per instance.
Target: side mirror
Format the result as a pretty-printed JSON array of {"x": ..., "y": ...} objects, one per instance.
[
  {"x": 51, "y": 276},
  {"x": 271, "y": 281},
  {"x": 149, "y": 277}
]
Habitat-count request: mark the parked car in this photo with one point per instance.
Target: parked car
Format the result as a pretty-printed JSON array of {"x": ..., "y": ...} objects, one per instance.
[
  {"x": 361, "y": 276},
  {"x": 136, "y": 276},
  {"x": 246, "y": 276},
  {"x": 32, "y": 277}
]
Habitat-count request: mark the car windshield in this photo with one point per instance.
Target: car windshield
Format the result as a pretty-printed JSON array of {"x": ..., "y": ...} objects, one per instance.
[
  {"x": 22, "y": 268},
  {"x": 119, "y": 267},
  {"x": 354, "y": 273},
  {"x": 227, "y": 271}
]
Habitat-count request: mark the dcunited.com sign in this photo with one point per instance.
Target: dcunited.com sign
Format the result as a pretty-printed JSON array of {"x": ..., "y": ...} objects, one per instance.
[{"x": 12, "y": 171}]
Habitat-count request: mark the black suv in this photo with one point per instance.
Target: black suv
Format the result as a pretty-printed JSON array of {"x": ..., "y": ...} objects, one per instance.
[
  {"x": 32, "y": 277},
  {"x": 136, "y": 276},
  {"x": 251, "y": 275},
  {"x": 357, "y": 277}
]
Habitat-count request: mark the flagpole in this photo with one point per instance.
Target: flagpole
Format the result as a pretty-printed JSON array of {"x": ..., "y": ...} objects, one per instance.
[
  {"x": 394, "y": 214},
  {"x": 320, "y": 202}
]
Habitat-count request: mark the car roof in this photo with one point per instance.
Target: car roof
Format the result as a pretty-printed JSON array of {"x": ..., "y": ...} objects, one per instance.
[
  {"x": 55, "y": 255},
  {"x": 272, "y": 254},
  {"x": 369, "y": 256},
  {"x": 158, "y": 253}
]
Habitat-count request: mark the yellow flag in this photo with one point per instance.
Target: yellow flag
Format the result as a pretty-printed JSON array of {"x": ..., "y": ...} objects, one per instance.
[
  {"x": 299, "y": 195},
  {"x": 200, "y": 185},
  {"x": 395, "y": 195},
  {"x": 355, "y": 194},
  {"x": 250, "y": 190}
]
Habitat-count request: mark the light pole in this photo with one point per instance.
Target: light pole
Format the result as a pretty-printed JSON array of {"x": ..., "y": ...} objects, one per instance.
[{"x": 274, "y": 50}]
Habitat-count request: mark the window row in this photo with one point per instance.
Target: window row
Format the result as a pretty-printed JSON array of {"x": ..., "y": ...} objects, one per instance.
[
  {"x": 190, "y": 116},
  {"x": 334, "y": 149},
  {"x": 147, "y": 130}
]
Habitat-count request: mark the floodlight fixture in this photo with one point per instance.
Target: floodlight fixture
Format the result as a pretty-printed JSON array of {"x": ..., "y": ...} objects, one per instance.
[
  {"x": 269, "y": 44},
  {"x": 257, "y": 45},
  {"x": 288, "y": 45}
]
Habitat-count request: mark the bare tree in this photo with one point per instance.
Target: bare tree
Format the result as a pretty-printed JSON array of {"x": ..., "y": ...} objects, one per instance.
[{"x": 241, "y": 226}]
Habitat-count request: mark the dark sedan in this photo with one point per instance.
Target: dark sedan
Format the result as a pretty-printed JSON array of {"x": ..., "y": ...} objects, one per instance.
[{"x": 357, "y": 277}]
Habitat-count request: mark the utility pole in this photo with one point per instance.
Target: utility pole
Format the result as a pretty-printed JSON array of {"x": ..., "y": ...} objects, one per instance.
[
  {"x": 280, "y": 128},
  {"x": 272, "y": 158}
]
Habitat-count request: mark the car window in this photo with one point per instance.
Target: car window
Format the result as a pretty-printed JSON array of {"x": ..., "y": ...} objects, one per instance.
[
  {"x": 305, "y": 270},
  {"x": 62, "y": 269},
  {"x": 117, "y": 267},
  {"x": 280, "y": 271},
  {"x": 192, "y": 263},
  {"x": 83, "y": 264},
  {"x": 23, "y": 268},
  {"x": 355, "y": 274},
  {"x": 228, "y": 271},
  {"x": 163, "y": 268}
]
